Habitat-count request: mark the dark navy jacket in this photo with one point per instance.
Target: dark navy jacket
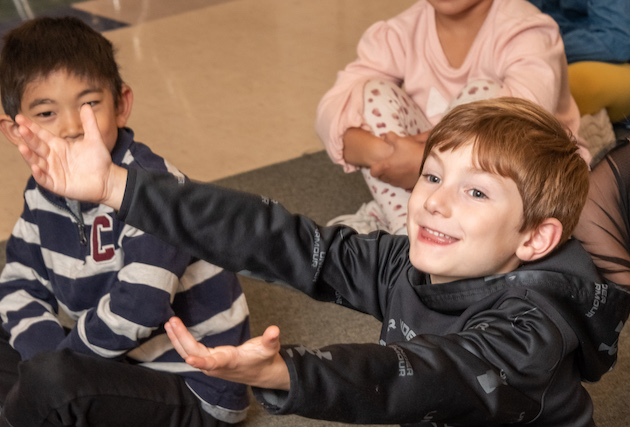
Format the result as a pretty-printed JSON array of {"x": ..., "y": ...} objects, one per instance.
[{"x": 511, "y": 349}]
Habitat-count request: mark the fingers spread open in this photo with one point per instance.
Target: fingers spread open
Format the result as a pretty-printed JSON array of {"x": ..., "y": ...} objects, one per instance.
[
  {"x": 183, "y": 341},
  {"x": 34, "y": 136},
  {"x": 175, "y": 340}
]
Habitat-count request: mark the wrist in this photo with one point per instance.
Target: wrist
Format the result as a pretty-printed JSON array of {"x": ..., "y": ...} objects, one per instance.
[
  {"x": 115, "y": 187},
  {"x": 275, "y": 376},
  {"x": 283, "y": 377}
]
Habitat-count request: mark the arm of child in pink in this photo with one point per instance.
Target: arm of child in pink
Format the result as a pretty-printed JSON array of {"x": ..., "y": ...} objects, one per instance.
[
  {"x": 379, "y": 57},
  {"x": 257, "y": 362},
  {"x": 402, "y": 167},
  {"x": 361, "y": 148},
  {"x": 78, "y": 171}
]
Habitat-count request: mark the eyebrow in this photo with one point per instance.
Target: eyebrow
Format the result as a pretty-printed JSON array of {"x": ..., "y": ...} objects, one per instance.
[
  {"x": 435, "y": 156},
  {"x": 45, "y": 101},
  {"x": 40, "y": 101},
  {"x": 474, "y": 170}
]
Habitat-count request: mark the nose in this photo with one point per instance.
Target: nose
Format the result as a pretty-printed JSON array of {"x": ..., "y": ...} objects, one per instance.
[
  {"x": 440, "y": 201},
  {"x": 71, "y": 126}
]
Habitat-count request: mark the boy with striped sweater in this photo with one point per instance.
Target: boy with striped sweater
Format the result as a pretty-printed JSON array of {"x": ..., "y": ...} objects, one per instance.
[{"x": 113, "y": 364}]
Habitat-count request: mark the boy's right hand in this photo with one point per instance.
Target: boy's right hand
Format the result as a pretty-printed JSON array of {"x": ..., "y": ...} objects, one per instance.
[{"x": 81, "y": 170}]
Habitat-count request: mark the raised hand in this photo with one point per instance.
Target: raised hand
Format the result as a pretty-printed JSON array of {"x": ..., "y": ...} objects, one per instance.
[
  {"x": 81, "y": 170},
  {"x": 256, "y": 362}
]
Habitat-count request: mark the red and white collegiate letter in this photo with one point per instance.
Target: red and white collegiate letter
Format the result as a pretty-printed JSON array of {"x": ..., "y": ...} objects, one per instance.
[{"x": 101, "y": 252}]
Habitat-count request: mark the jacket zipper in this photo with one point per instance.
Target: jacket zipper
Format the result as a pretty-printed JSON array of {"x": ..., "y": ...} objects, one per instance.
[{"x": 79, "y": 219}]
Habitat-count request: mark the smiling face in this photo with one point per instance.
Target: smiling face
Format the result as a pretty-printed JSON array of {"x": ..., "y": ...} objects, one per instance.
[
  {"x": 463, "y": 221},
  {"x": 54, "y": 101}
]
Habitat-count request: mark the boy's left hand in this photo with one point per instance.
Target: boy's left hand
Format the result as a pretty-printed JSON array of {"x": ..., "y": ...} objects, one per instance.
[{"x": 256, "y": 362}]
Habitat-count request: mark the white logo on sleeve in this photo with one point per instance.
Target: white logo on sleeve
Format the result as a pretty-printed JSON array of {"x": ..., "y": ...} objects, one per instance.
[
  {"x": 301, "y": 350},
  {"x": 490, "y": 381}
]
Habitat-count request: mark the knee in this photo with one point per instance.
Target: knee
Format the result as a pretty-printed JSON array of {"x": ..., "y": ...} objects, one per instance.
[
  {"x": 476, "y": 90},
  {"x": 42, "y": 384},
  {"x": 48, "y": 369},
  {"x": 384, "y": 94},
  {"x": 45, "y": 375},
  {"x": 388, "y": 108},
  {"x": 380, "y": 87}
]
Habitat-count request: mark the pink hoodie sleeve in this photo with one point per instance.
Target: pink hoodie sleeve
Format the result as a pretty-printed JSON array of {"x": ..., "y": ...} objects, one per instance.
[
  {"x": 381, "y": 55},
  {"x": 533, "y": 66}
]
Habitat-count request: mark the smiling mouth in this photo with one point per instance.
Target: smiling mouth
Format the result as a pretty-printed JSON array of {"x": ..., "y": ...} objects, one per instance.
[{"x": 436, "y": 236}]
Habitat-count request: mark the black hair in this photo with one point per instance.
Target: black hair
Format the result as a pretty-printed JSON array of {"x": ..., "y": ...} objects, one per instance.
[{"x": 41, "y": 46}]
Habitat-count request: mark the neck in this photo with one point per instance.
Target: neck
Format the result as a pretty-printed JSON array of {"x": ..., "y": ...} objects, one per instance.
[
  {"x": 457, "y": 31},
  {"x": 467, "y": 22}
]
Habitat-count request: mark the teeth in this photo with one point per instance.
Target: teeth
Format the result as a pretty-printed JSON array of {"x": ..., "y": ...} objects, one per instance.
[{"x": 438, "y": 234}]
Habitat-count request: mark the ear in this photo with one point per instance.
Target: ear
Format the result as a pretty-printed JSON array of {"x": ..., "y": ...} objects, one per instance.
[
  {"x": 540, "y": 241},
  {"x": 125, "y": 102},
  {"x": 10, "y": 129}
]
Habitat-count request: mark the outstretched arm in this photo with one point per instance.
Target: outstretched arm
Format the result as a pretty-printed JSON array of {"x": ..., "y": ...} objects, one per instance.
[
  {"x": 81, "y": 170},
  {"x": 257, "y": 362}
]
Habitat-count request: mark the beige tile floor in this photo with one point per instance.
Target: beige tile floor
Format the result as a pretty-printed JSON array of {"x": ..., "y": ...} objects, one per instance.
[{"x": 222, "y": 87}]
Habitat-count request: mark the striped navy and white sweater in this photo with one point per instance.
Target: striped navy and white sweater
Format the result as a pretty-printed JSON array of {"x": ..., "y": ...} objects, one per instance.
[{"x": 119, "y": 285}]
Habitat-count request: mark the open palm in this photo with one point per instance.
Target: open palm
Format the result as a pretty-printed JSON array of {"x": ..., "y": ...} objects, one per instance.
[
  {"x": 256, "y": 362},
  {"x": 77, "y": 170}
]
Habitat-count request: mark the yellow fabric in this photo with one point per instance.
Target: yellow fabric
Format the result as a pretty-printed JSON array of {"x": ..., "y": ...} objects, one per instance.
[{"x": 597, "y": 85}]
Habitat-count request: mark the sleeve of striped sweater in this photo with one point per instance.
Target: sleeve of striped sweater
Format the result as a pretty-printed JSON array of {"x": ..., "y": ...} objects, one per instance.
[{"x": 28, "y": 307}]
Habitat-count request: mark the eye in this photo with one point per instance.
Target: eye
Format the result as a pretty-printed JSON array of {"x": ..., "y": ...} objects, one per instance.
[
  {"x": 92, "y": 103},
  {"x": 477, "y": 194},
  {"x": 45, "y": 114},
  {"x": 431, "y": 178}
]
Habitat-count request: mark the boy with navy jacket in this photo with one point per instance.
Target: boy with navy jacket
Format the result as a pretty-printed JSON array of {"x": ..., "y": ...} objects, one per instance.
[{"x": 491, "y": 314}]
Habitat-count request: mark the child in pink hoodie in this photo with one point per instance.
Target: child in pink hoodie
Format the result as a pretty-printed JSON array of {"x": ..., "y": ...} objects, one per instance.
[{"x": 414, "y": 68}]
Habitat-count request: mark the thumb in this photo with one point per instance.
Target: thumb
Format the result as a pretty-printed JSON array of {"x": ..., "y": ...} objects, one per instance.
[
  {"x": 271, "y": 338},
  {"x": 90, "y": 126},
  {"x": 377, "y": 169}
]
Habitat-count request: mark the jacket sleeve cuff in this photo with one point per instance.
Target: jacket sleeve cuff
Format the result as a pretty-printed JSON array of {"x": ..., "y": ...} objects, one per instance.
[
  {"x": 277, "y": 402},
  {"x": 128, "y": 197}
]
